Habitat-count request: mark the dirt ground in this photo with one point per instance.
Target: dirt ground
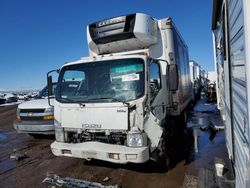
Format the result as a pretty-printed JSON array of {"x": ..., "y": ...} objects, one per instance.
[{"x": 31, "y": 171}]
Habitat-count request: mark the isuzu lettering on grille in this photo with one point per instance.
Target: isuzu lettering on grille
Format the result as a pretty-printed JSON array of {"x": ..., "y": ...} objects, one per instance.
[{"x": 91, "y": 126}]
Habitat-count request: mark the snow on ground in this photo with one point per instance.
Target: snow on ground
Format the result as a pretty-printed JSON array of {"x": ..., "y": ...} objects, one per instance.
[{"x": 205, "y": 113}]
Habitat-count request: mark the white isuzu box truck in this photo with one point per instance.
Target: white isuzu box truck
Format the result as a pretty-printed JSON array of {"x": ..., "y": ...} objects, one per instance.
[
  {"x": 115, "y": 104},
  {"x": 231, "y": 38}
]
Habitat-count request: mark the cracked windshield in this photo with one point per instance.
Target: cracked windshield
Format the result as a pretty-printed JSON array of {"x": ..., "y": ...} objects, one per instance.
[{"x": 111, "y": 81}]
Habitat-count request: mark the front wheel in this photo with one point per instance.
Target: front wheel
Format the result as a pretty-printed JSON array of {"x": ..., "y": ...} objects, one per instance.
[{"x": 163, "y": 161}]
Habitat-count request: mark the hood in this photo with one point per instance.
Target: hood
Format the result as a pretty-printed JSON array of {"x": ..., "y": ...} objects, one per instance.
[
  {"x": 36, "y": 104},
  {"x": 95, "y": 116}
]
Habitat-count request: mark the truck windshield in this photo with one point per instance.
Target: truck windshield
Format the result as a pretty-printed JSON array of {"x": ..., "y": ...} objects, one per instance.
[{"x": 106, "y": 81}]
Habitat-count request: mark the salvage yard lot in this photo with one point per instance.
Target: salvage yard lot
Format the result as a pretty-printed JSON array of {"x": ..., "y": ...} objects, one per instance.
[{"x": 31, "y": 171}]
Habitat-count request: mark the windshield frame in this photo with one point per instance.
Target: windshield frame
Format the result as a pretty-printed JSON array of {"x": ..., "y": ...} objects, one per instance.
[{"x": 108, "y": 100}]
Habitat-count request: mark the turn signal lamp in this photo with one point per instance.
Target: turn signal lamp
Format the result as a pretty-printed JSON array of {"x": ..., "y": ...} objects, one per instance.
[{"x": 48, "y": 117}]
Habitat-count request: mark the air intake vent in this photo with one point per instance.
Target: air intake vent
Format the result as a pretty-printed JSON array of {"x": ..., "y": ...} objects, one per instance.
[
  {"x": 32, "y": 110},
  {"x": 34, "y": 118}
]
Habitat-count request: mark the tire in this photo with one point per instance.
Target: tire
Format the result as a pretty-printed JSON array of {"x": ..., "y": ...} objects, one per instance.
[
  {"x": 182, "y": 119},
  {"x": 163, "y": 161}
]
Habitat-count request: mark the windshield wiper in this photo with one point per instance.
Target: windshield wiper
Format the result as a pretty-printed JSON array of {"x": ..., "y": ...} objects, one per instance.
[
  {"x": 67, "y": 100},
  {"x": 73, "y": 101},
  {"x": 109, "y": 98}
]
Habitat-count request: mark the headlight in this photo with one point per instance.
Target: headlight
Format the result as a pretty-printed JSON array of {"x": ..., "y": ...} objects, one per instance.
[
  {"x": 47, "y": 110},
  {"x": 59, "y": 132},
  {"x": 136, "y": 139},
  {"x": 18, "y": 114}
]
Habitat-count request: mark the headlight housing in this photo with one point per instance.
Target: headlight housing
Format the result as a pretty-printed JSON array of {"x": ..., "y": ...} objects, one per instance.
[
  {"x": 59, "y": 132},
  {"x": 49, "y": 110},
  {"x": 18, "y": 114},
  {"x": 18, "y": 111},
  {"x": 136, "y": 139}
]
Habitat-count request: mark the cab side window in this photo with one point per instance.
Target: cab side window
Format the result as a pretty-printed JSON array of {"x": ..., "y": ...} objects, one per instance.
[{"x": 155, "y": 79}]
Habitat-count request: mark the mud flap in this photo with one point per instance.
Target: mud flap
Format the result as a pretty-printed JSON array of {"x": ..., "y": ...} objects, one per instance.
[{"x": 154, "y": 131}]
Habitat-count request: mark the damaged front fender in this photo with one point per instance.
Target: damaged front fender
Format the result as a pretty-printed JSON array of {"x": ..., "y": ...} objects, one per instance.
[{"x": 154, "y": 130}]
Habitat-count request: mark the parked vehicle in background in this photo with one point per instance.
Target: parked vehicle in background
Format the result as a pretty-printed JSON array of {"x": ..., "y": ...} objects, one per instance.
[
  {"x": 195, "y": 75},
  {"x": 2, "y": 99},
  {"x": 212, "y": 76},
  {"x": 231, "y": 38},
  {"x": 22, "y": 96},
  {"x": 10, "y": 97},
  {"x": 36, "y": 116},
  {"x": 210, "y": 91},
  {"x": 117, "y": 104},
  {"x": 34, "y": 94},
  {"x": 204, "y": 78}
]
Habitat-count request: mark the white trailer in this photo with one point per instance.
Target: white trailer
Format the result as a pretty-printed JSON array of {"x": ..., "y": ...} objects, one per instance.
[
  {"x": 204, "y": 77},
  {"x": 115, "y": 104},
  {"x": 212, "y": 76},
  {"x": 195, "y": 75},
  {"x": 231, "y": 38}
]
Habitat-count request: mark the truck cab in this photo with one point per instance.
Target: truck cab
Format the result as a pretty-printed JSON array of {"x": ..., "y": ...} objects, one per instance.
[
  {"x": 110, "y": 103},
  {"x": 113, "y": 105}
]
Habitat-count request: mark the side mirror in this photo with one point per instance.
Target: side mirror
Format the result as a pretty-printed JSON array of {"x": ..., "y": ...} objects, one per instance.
[
  {"x": 50, "y": 83},
  {"x": 173, "y": 77}
]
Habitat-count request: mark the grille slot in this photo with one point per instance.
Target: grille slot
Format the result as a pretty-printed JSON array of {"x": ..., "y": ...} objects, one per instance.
[
  {"x": 33, "y": 118},
  {"x": 32, "y": 110}
]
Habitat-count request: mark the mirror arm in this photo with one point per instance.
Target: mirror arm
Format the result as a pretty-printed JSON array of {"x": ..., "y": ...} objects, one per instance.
[{"x": 163, "y": 61}]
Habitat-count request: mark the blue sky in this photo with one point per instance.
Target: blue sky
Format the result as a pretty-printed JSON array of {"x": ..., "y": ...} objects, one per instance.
[{"x": 39, "y": 35}]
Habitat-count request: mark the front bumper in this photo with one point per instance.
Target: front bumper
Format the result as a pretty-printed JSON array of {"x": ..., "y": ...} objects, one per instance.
[
  {"x": 35, "y": 127},
  {"x": 101, "y": 151}
]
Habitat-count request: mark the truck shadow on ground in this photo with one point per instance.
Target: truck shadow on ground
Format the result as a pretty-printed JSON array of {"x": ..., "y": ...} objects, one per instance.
[{"x": 42, "y": 137}]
